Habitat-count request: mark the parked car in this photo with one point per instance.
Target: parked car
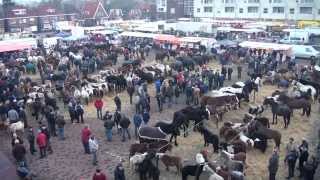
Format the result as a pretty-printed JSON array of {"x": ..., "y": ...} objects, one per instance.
[{"x": 303, "y": 51}]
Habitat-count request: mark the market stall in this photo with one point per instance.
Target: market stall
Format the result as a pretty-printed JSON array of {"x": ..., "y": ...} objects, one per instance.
[
  {"x": 164, "y": 38},
  {"x": 195, "y": 42}
]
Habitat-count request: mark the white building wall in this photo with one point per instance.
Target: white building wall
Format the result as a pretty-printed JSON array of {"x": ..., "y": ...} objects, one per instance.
[{"x": 259, "y": 9}]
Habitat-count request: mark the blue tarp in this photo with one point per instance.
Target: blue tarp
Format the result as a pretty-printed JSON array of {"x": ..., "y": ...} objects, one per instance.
[
  {"x": 74, "y": 38},
  {"x": 63, "y": 34}
]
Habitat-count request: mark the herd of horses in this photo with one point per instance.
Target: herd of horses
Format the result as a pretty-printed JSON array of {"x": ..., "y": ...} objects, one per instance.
[{"x": 233, "y": 140}]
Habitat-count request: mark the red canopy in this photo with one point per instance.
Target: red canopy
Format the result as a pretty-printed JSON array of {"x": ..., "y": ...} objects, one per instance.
[
  {"x": 166, "y": 38},
  {"x": 14, "y": 47}
]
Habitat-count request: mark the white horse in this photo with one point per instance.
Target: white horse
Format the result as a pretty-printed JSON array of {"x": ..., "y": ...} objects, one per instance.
[
  {"x": 16, "y": 127},
  {"x": 136, "y": 159},
  {"x": 306, "y": 88}
]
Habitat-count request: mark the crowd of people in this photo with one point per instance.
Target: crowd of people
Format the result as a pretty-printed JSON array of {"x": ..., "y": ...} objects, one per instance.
[{"x": 171, "y": 87}]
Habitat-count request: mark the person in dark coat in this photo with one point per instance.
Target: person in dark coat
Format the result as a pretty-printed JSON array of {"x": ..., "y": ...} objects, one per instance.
[
  {"x": 130, "y": 90},
  {"x": 291, "y": 159},
  {"x": 31, "y": 140},
  {"x": 137, "y": 120},
  {"x": 273, "y": 164},
  {"x": 60, "y": 125},
  {"x": 19, "y": 152},
  {"x": 124, "y": 124},
  {"x": 189, "y": 93},
  {"x": 176, "y": 93},
  {"x": 303, "y": 155},
  {"x": 159, "y": 101},
  {"x": 210, "y": 79},
  {"x": 117, "y": 101},
  {"x": 230, "y": 71},
  {"x": 119, "y": 172},
  {"x": 108, "y": 125},
  {"x": 309, "y": 168},
  {"x": 146, "y": 117},
  {"x": 224, "y": 71}
]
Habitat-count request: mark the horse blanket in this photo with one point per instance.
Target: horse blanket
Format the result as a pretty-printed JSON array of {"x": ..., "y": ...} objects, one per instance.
[{"x": 151, "y": 133}]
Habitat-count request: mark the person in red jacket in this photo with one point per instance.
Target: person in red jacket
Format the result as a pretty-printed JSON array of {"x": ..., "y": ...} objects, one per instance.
[
  {"x": 98, "y": 175},
  {"x": 85, "y": 135},
  {"x": 99, "y": 104},
  {"x": 42, "y": 143}
]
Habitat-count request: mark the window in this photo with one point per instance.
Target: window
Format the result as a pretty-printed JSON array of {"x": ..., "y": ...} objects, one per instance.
[
  {"x": 306, "y": 1},
  {"x": 279, "y": 10},
  {"x": 160, "y": 9},
  {"x": 172, "y": 10},
  {"x": 308, "y": 50},
  {"x": 208, "y": 1},
  {"x": 305, "y": 10},
  {"x": 275, "y": 1},
  {"x": 253, "y": 9},
  {"x": 265, "y": 10},
  {"x": 229, "y": 9},
  {"x": 241, "y": 10},
  {"x": 163, "y": 2},
  {"x": 319, "y": 11},
  {"x": 207, "y": 9},
  {"x": 253, "y": 1},
  {"x": 198, "y": 10},
  {"x": 291, "y": 10}
]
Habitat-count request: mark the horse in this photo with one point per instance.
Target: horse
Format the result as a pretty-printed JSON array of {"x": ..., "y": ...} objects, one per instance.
[
  {"x": 147, "y": 167},
  {"x": 197, "y": 114},
  {"x": 211, "y": 138},
  {"x": 257, "y": 128},
  {"x": 171, "y": 161},
  {"x": 279, "y": 109},
  {"x": 307, "y": 89},
  {"x": 263, "y": 120},
  {"x": 161, "y": 147},
  {"x": 293, "y": 103},
  {"x": 256, "y": 110},
  {"x": 193, "y": 169},
  {"x": 172, "y": 129},
  {"x": 241, "y": 156}
]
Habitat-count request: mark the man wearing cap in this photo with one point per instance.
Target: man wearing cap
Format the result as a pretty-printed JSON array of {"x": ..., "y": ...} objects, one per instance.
[{"x": 273, "y": 164}]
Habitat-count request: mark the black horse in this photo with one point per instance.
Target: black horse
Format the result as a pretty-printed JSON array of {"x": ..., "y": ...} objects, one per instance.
[
  {"x": 146, "y": 167},
  {"x": 169, "y": 129},
  {"x": 279, "y": 110},
  {"x": 191, "y": 170},
  {"x": 210, "y": 138},
  {"x": 197, "y": 114}
]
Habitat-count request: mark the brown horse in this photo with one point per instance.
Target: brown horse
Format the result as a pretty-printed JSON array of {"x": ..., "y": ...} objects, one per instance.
[
  {"x": 258, "y": 128},
  {"x": 171, "y": 161}
]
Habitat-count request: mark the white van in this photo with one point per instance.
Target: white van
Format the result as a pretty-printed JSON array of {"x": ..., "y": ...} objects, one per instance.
[
  {"x": 302, "y": 51},
  {"x": 292, "y": 40}
]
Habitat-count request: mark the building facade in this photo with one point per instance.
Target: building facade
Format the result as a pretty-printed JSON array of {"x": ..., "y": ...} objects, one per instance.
[
  {"x": 170, "y": 9},
  {"x": 258, "y": 9}
]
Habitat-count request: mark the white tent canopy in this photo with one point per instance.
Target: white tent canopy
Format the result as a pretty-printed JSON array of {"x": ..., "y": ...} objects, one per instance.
[
  {"x": 267, "y": 46},
  {"x": 138, "y": 34},
  {"x": 231, "y": 29}
]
